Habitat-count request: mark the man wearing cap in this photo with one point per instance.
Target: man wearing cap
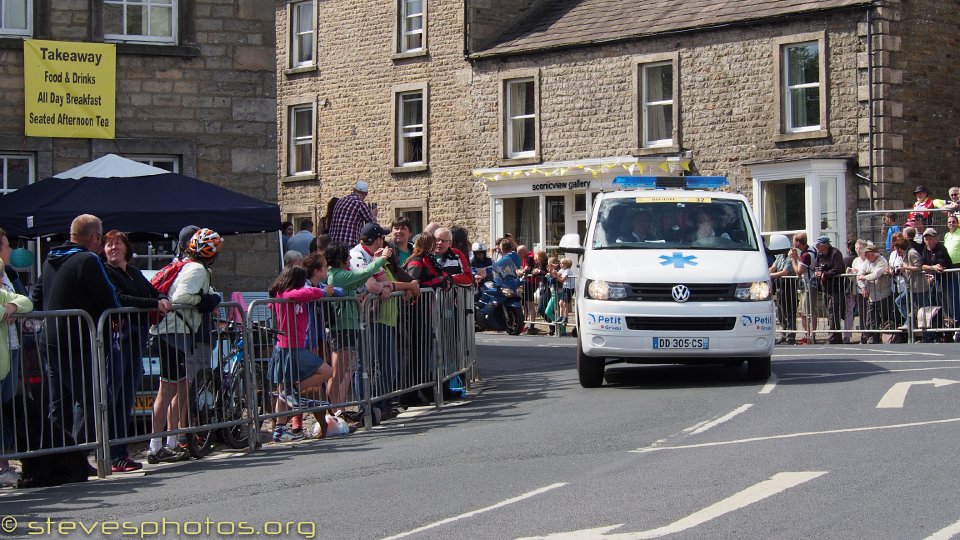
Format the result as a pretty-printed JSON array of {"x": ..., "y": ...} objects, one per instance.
[
  {"x": 829, "y": 268},
  {"x": 936, "y": 259},
  {"x": 923, "y": 202},
  {"x": 350, "y": 214},
  {"x": 384, "y": 330},
  {"x": 875, "y": 283}
]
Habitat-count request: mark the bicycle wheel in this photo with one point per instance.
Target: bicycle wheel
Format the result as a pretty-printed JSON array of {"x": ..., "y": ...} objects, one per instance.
[
  {"x": 202, "y": 412},
  {"x": 236, "y": 407}
]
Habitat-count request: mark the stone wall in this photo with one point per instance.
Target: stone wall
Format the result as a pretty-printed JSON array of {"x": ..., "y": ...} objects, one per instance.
[
  {"x": 353, "y": 89},
  {"x": 210, "y": 100},
  {"x": 726, "y": 93},
  {"x": 917, "y": 47}
]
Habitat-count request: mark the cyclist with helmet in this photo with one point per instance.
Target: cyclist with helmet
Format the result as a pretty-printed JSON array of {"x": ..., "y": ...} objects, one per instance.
[{"x": 176, "y": 334}]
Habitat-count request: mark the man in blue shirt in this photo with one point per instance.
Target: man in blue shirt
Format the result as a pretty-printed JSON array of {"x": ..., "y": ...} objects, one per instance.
[{"x": 890, "y": 222}]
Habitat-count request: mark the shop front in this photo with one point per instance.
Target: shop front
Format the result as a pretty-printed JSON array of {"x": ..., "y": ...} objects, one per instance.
[{"x": 539, "y": 204}]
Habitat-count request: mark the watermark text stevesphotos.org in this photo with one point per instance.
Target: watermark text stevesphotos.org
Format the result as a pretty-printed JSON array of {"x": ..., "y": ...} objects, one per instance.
[{"x": 153, "y": 529}]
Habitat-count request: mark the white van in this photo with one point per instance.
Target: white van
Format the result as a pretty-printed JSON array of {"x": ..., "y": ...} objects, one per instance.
[{"x": 671, "y": 276}]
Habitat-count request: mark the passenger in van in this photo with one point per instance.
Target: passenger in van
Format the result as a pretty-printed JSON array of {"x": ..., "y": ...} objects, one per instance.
[
  {"x": 706, "y": 226},
  {"x": 729, "y": 224}
]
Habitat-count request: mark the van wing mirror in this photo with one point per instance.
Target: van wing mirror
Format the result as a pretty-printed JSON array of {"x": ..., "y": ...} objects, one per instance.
[{"x": 570, "y": 243}]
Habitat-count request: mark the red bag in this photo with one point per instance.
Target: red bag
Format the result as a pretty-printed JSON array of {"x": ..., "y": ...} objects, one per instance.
[{"x": 162, "y": 281}]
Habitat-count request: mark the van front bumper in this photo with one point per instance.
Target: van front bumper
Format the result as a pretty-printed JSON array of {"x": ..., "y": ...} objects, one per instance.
[{"x": 610, "y": 328}]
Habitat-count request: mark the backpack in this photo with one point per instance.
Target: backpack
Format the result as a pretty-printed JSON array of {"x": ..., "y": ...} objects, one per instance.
[
  {"x": 164, "y": 279},
  {"x": 807, "y": 277}
]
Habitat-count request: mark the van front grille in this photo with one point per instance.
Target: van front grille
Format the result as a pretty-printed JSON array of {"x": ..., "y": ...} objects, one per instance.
[
  {"x": 682, "y": 324},
  {"x": 699, "y": 292}
]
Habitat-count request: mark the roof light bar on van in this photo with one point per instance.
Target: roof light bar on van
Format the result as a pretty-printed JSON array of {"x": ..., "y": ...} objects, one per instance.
[{"x": 671, "y": 182}]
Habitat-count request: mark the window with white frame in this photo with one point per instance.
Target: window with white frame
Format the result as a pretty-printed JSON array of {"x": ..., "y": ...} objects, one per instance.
[
  {"x": 17, "y": 171},
  {"x": 167, "y": 163},
  {"x": 801, "y": 86},
  {"x": 657, "y": 103},
  {"x": 411, "y": 26},
  {"x": 16, "y": 17},
  {"x": 302, "y": 37},
  {"x": 410, "y": 128},
  {"x": 149, "y": 21},
  {"x": 521, "y": 108},
  {"x": 301, "y": 140}
]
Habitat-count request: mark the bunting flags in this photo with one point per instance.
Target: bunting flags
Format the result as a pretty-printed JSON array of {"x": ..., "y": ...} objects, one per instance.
[{"x": 630, "y": 167}]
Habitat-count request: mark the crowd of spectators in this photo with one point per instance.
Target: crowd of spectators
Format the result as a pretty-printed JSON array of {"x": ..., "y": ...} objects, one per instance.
[{"x": 908, "y": 279}]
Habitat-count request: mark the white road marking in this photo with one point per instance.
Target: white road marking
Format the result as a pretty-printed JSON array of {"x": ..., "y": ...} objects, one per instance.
[
  {"x": 777, "y": 483},
  {"x": 793, "y": 436},
  {"x": 812, "y": 361},
  {"x": 872, "y": 372},
  {"x": 480, "y": 511},
  {"x": 886, "y": 352},
  {"x": 771, "y": 384},
  {"x": 703, "y": 426},
  {"x": 847, "y": 352},
  {"x": 945, "y": 533},
  {"x": 897, "y": 394}
]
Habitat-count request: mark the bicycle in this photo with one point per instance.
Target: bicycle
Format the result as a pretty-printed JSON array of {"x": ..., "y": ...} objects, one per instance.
[{"x": 219, "y": 394}]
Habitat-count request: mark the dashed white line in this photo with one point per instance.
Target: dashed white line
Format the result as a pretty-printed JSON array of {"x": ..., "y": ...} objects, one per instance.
[
  {"x": 479, "y": 511},
  {"x": 945, "y": 533},
  {"x": 792, "y": 436},
  {"x": 776, "y": 484},
  {"x": 704, "y": 426},
  {"x": 771, "y": 384}
]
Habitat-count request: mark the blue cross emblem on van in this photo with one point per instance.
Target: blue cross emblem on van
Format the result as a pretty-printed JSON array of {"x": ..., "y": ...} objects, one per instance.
[{"x": 678, "y": 260}]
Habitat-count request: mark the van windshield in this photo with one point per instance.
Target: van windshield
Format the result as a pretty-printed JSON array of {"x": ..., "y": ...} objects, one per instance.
[{"x": 699, "y": 222}]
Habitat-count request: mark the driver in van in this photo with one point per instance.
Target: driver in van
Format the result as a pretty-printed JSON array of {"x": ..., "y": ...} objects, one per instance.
[{"x": 642, "y": 229}]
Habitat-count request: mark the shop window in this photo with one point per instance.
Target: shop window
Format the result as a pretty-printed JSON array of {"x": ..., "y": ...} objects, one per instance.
[
  {"x": 16, "y": 18},
  {"x": 520, "y": 217},
  {"x": 148, "y": 21},
  {"x": 784, "y": 205},
  {"x": 17, "y": 172},
  {"x": 302, "y": 34},
  {"x": 411, "y": 26},
  {"x": 301, "y": 140}
]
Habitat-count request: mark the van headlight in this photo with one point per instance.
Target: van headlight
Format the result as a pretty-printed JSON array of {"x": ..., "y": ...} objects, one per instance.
[
  {"x": 753, "y": 292},
  {"x": 605, "y": 290}
]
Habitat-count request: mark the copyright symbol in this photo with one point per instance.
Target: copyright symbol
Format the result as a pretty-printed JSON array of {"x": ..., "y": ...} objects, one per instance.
[{"x": 8, "y": 524}]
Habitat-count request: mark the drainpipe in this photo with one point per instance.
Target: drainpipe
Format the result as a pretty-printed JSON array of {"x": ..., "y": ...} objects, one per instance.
[{"x": 870, "y": 102}]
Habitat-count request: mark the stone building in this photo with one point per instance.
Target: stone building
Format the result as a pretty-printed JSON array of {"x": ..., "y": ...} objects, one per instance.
[
  {"x": 507, "y": 116},
  {"x": 195, "y": 93}
]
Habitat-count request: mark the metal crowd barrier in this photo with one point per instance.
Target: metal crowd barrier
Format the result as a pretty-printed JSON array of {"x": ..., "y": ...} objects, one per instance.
[
  {"x": 49, "y": 403},
  {"x": 925, "y": 307},
  {"x": 546, "y": 315},
  {"x": 224, "y": 380}
]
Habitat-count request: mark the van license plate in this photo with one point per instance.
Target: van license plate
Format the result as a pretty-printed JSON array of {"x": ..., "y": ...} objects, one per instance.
[{"x": 681, "y": 343}]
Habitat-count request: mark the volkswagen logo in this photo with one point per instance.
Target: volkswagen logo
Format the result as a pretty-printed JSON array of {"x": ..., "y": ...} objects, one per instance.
[{"x": 680, "y": 293}]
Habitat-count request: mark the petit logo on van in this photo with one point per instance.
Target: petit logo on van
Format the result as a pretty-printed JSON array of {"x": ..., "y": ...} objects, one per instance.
[
  {"x": 758, "y": 322},
  {"x": 605, "y": 322}
]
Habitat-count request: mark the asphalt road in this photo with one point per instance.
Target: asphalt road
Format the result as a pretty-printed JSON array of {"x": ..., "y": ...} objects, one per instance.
[{"x": 843, "y": 442}]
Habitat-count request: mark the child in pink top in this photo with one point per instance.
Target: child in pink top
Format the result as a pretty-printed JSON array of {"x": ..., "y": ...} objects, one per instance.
[{"x": 293, "y": 367}]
